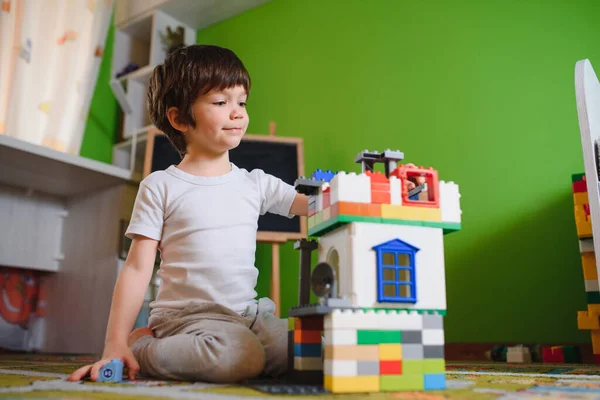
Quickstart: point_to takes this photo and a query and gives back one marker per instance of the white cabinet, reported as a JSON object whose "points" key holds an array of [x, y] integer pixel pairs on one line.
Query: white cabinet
{"points": [[61, 214]]}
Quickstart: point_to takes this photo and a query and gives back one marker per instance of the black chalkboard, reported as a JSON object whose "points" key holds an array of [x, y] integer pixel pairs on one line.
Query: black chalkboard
{"points": [[274, 157]]}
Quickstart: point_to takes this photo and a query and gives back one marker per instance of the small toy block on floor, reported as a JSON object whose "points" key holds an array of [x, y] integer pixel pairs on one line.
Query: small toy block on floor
{"points": [[111, 371], [572, 354], [518, 354], [552, 355], [562, 354]]}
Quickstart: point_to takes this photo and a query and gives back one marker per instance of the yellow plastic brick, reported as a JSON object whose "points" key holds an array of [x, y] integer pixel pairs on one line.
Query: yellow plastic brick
{"points": [[585, 322], [588, 262], [393, 211], [596, 341], [581, 198], [390, 352], [352, 384]]}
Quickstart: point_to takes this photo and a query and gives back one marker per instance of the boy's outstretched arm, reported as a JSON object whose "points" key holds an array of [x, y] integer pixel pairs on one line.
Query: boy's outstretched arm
{"points": [[128, 296], [300, 205]]}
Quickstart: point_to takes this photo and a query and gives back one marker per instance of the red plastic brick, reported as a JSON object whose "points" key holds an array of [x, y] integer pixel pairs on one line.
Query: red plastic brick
{"points": [[390, 367], [380, 188], [305, 336], [579, 187], [326, 198], [309, 323], [431, 175]]}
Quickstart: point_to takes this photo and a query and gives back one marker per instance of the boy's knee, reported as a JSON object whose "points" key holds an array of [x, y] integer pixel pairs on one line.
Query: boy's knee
{"points": [[240, 362]]}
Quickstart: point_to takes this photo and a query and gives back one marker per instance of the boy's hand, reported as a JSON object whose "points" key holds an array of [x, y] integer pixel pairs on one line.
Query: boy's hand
{"points": [[120, 351]]}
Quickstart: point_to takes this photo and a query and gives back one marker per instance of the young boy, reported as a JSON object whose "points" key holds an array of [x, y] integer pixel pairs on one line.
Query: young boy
{"points": [[202, 214]]}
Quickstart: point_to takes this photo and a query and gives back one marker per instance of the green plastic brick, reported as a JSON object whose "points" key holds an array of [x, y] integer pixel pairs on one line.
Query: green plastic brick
{"points": [[572, 354], [291, 323], [577, 177], [434, 366], [321, 228], [378, 337], [593, 297], [412, 367], [394, 221], [391, 383], [397, 310]]}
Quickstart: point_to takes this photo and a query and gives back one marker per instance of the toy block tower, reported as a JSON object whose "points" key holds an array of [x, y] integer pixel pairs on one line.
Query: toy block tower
{"points": [[380, 280], [587, 320]]}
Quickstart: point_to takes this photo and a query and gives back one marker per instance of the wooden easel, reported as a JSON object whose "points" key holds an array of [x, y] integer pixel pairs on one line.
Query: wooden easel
{"points": [[276, 241]]}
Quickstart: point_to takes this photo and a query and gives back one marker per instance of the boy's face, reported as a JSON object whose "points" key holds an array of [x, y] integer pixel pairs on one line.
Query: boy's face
{"points": [[221, 120]]}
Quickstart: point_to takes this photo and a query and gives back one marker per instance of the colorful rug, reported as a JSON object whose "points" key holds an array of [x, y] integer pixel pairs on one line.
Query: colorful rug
{"points": [[44, 376]]}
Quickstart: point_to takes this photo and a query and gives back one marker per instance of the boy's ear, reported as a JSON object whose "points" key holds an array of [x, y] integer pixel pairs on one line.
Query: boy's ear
{"points": [[174, 120]]}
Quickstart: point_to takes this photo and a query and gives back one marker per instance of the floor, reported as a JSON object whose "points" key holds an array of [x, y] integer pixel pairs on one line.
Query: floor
{"points": [[43, 376]]}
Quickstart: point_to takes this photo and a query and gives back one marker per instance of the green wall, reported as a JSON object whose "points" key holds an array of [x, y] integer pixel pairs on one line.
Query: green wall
{"points": [[101, 129], [481, 91]]}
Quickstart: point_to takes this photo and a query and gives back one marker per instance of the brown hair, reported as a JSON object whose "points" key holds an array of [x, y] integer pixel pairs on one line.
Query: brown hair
{"points": [[186, 74]]}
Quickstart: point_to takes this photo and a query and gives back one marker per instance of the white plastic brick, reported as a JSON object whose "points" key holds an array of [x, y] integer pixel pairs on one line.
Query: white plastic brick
{"points": [[586, 245], [429, 262], [433, 337], [591, 285], [340, 368], [340, 337], [326, 213], [450, 202], [381, 319], [351, 188], [395, 191], [320, 199]]}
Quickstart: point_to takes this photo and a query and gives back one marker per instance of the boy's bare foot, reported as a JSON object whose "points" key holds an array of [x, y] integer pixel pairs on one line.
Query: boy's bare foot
{"points": [[138, 333]]}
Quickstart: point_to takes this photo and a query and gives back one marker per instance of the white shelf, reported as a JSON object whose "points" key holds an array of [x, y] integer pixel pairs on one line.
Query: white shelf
{"points": [[46, 267], [139, 75], [197, 14], [141, 135], [29, 166]]}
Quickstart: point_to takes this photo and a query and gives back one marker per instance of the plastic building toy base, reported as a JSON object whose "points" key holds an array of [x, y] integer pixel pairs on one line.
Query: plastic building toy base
{"points": [[289, 388]]}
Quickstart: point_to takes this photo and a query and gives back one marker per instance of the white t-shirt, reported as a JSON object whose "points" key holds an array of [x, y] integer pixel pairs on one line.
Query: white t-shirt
{"points": [[207, 231]]}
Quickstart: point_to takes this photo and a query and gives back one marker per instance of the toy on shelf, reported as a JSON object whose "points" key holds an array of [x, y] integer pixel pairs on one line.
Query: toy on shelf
{"points": [[129, 68], [173, 39], [111, 371], [380, 280]]}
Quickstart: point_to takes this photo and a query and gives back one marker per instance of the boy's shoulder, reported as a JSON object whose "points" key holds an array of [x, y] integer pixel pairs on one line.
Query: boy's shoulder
{"points": [[258, 177], [155, 180], [255, 174]]}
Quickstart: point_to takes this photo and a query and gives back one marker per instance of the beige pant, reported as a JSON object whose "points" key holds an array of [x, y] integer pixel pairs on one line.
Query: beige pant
{"points": [[209, 342]]}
